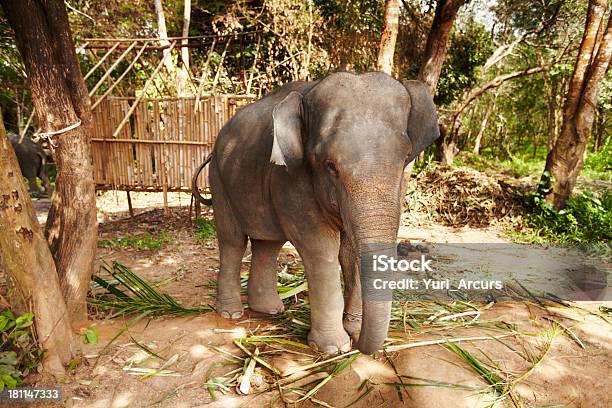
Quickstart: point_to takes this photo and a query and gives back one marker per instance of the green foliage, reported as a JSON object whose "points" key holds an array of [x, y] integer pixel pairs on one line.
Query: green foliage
{"points": [[520, 165], [599, 165], [204, 230], [470, 46], [143, 242], [20, 353], [587, 217]]}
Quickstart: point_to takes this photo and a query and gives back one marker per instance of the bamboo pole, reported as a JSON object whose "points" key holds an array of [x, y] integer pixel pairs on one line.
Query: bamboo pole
{"points": [[110, 70], [128, 69], [123, 39], [146, 85], [204, 75], [252, 73], [101, 61], [221, 61]]}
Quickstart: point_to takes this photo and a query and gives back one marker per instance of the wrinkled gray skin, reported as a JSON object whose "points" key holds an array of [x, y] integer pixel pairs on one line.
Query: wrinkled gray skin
{"points": [[320, 165], [32, 160]]}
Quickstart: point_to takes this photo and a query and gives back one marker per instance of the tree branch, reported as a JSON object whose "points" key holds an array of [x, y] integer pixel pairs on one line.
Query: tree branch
{"points": [[493, 83]]}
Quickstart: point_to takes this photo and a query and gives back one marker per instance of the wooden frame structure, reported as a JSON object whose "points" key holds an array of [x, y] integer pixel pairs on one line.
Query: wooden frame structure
{"points": [[154, 138]]}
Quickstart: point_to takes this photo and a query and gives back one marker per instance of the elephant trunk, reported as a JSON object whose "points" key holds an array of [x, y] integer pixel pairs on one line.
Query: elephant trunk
{"points": [[376, 302], [374, 228]]}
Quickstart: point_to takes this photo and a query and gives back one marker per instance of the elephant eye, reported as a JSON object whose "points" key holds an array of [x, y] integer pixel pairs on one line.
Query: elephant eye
{"points": [[331, 167]]}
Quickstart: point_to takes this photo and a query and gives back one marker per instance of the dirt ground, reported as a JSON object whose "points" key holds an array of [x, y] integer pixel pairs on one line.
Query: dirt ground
{"points": [[575, 371]]}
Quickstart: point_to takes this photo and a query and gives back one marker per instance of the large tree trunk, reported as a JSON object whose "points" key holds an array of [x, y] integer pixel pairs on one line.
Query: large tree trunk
{"points": [[565, 160], [429, 73], [25, 257], [389, 37], [60, 98], [437, 41]]}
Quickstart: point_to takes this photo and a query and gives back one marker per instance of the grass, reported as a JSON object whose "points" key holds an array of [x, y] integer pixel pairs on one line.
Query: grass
{"points": [[126, 293], [204, 230], [144, 242], [597, 166], [522, 165], [252, 370]]}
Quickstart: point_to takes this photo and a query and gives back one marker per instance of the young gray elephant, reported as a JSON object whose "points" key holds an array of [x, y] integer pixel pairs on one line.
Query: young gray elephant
{"points": [[32, 160], [320, 165]]}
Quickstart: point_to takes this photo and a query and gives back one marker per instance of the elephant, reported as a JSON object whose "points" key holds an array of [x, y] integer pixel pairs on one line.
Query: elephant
{"points": [[32, 161], [319, 164]]}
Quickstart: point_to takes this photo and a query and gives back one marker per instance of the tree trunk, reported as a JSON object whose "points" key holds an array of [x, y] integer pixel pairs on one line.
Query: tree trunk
{"points": [[25, 257], [389, 37], [483, 125], [429, 73], [565, 160], [437, 41], [60, 98], [551, 86], [162, 33], [599, 130], [183, 85]]}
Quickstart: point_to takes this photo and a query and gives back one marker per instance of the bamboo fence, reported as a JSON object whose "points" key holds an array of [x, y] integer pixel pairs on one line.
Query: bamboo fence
{"points": [[161, 145]]}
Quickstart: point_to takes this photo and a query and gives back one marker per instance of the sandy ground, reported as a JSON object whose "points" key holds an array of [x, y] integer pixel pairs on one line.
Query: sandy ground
{"points": [[571, 374]]}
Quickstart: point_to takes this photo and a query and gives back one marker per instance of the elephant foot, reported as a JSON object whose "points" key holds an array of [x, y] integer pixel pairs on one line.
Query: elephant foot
{"points": [[352, 325], [229, 308], [329, 342], [268, 304]]}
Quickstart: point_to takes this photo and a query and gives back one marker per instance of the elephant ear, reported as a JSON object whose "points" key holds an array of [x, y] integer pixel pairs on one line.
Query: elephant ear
{"points": [[287, 148], [423, 127]]}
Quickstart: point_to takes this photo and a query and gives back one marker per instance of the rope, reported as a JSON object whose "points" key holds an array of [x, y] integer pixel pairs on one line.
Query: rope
{"points": [[47, 135]]}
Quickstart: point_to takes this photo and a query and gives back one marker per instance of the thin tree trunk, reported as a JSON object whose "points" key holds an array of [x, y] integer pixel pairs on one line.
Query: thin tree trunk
{"points": [[25, 257], [162, 33], [483, 126], [185, 73], [551, 86], [437, 41], [60, 98], [599, 130], [389, 37], [565, 160]]}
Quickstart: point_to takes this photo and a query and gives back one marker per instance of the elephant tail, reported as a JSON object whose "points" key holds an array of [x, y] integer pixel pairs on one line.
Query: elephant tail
{"points": [[194, 183]]}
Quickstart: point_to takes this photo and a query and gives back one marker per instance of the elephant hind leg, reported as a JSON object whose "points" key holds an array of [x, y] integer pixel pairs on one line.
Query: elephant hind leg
{"points": [[232, 244], [228, 303], [42, 175], [32, 184], [263, 295]]}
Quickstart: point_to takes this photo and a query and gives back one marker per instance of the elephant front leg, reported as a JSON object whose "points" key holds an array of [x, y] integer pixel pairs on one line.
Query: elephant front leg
{"points": [[325, 295], [349, 262]]}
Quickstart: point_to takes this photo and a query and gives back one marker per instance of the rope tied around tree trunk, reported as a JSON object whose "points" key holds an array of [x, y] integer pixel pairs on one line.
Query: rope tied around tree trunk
{"points": [[47, 135]]}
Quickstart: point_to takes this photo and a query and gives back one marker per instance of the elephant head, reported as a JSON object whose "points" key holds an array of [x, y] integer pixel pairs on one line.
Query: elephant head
{"points": [[355, 134]]}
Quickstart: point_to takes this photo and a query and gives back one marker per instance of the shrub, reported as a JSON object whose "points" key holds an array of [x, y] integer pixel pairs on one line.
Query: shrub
{"points": [[20, 353], [204, 230], [587, 218]]}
